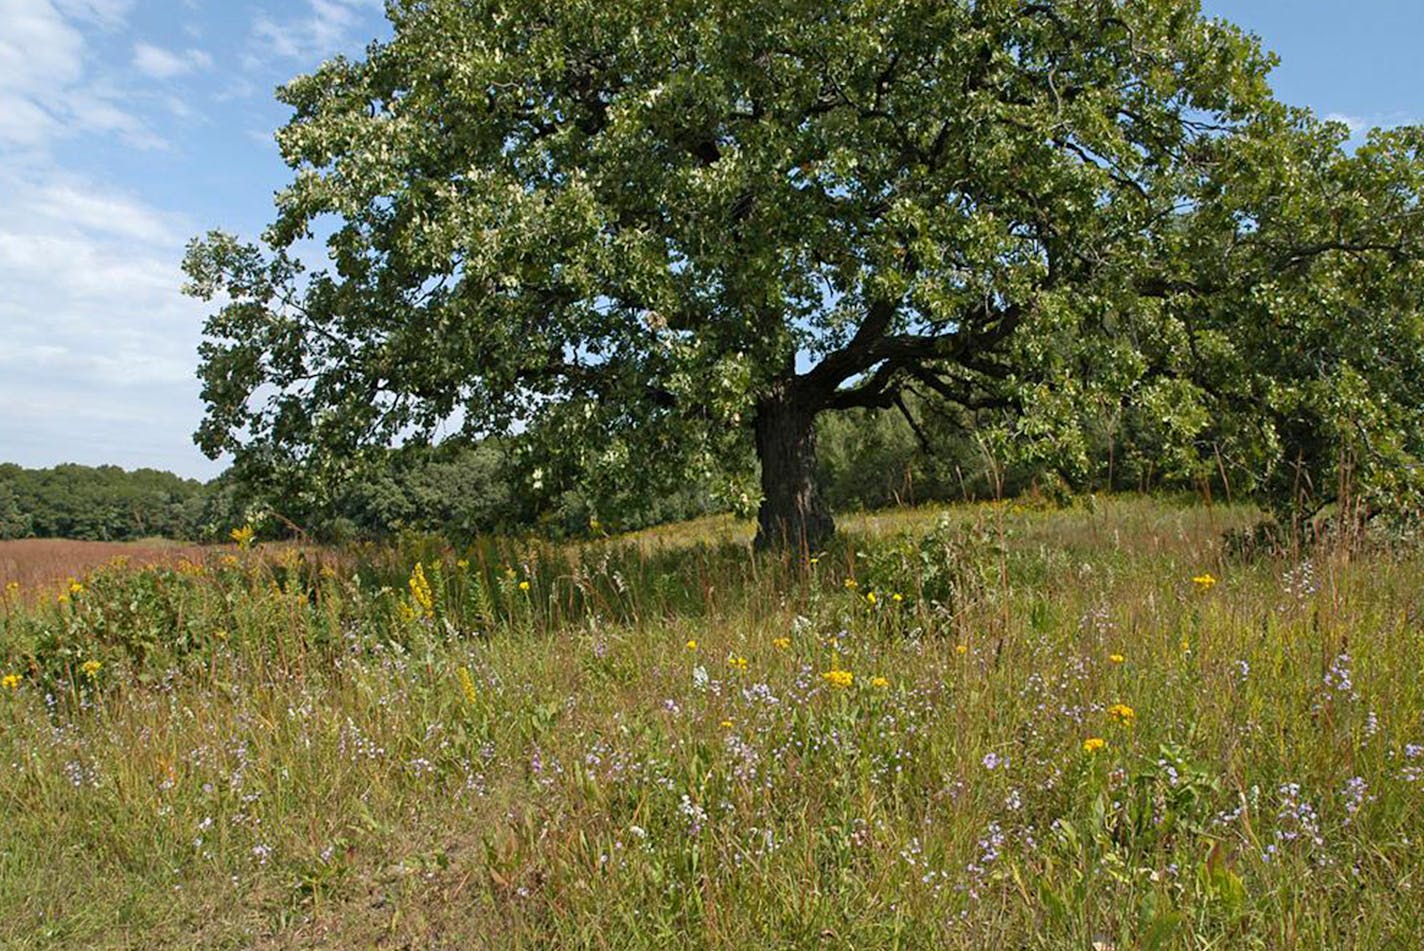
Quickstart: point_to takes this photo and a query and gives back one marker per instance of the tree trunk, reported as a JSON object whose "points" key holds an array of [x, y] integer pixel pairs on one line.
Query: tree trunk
{"points": [[792, 513]]}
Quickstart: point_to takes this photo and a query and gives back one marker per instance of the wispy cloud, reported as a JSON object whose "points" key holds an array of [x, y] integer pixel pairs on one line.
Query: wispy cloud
{"points": [[96, 330], [1361, 124], [159, 63], [108, 14], [46, 92], [327, 27]]}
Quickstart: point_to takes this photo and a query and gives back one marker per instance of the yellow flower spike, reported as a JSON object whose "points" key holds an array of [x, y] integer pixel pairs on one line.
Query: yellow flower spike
{"points": [[1204, 582], [691, 645], [781, 643], [10, 681], [838, 678], [1116, 658], [421, 592], [243, 536], [1094, 744], [467, 684], [879, 683]]}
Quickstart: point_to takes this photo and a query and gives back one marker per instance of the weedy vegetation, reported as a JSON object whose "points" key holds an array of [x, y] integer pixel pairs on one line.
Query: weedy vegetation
{"points": [[966, 727]]}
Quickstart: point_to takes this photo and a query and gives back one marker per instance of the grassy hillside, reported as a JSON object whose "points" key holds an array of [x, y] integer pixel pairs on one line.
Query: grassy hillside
{"points": [[978, 726]]}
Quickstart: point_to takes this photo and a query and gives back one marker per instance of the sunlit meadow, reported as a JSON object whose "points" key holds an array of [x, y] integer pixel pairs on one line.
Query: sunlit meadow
{"points": [[1104, 726]]}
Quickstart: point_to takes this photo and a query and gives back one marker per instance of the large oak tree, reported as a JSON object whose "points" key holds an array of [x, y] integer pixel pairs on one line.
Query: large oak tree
{"points": [[650, 233]]}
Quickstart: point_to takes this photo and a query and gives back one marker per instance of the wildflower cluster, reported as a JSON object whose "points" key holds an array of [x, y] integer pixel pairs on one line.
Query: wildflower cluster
{"points": [[1123, 714]]}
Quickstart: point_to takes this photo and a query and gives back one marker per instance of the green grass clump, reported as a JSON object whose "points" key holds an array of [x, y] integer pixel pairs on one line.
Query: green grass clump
{"points": [[980, 725]]}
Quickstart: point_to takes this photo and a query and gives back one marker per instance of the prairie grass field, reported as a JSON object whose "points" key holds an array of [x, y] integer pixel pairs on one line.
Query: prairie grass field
{"points": [[979, 726], [30, 564]]}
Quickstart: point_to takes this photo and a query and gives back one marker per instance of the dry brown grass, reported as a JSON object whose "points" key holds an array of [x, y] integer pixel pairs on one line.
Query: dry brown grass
{"points": [[40, 563]]}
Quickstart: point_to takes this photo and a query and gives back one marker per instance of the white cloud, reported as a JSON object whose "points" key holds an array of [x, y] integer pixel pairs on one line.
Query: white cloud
{"points": [[109, 14], [327, 28], [1354, 123], [45, 90], [160, 63], [97, 343], [1359, 125]]}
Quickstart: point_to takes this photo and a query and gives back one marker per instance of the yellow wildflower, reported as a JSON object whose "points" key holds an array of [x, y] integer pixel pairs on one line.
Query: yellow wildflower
{"points": [[852, 583], [420, 591], [961, 649], [691, 645], [91, 668], [1122, 713], [815, 560], [897, 597], [1093, 744], [726, 724], [462, 564], [1204, 582], [781, 643], [737, 662], [75, 587], [1116, 658], [838, 678], [870, 598], [243, 536], [10, 681], [467, 684], [879, 683]]}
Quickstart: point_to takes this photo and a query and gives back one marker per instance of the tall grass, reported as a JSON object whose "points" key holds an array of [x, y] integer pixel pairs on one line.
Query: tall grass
{"points": [[636, 743]]}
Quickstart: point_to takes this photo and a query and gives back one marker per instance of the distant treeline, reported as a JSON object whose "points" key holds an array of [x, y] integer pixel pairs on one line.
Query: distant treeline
{"points": [[867, 460], [99, 504]]}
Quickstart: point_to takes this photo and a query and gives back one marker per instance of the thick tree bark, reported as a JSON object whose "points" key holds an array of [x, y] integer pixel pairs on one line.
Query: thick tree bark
{"points": [[792, 513]]}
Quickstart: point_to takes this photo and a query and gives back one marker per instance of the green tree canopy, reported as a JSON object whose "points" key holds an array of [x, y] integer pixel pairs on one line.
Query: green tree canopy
{"points": [[662, 237]]}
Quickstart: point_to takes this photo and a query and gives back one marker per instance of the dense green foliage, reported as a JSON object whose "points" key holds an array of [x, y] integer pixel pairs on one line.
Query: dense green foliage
{"points": [[987, 727], [100, 504], [660, 239]]}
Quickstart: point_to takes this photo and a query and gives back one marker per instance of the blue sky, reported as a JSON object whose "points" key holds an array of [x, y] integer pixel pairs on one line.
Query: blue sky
{"points": [[128, 126]]}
